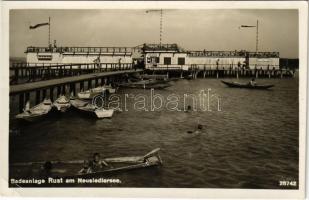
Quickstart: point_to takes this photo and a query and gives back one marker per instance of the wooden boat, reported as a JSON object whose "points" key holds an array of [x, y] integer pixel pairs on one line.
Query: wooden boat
{"points": [[91, 109], [89, 94], [72, 168], [146, 84], [246, 85], [62, 103], [36, 112]]}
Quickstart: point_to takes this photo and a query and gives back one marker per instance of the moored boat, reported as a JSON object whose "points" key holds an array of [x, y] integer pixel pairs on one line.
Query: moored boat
{"points": [[91, 109], [62, 103], [246, 85], [110, 89], [72, 168], [89, 94], [36, 112], [147, 84]]}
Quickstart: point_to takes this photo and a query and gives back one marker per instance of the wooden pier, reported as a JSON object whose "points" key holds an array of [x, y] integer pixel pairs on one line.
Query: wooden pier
{"points": [[226, 71], [31, 72], [55, 87]]}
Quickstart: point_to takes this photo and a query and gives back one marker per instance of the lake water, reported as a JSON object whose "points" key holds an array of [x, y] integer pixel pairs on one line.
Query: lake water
{"points": [[251, 143]]}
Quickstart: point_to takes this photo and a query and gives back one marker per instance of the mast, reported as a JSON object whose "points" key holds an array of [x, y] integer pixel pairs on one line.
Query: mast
{"points": [[49, 32], [257, 36]]}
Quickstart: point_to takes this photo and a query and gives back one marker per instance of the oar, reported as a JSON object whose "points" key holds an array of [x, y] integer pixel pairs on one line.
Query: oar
{"points": [[53, 162], [119, 159], [151, 153]]}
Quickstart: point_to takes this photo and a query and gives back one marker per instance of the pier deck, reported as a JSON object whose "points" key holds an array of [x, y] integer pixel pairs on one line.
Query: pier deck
{"points": [[27, 87]]}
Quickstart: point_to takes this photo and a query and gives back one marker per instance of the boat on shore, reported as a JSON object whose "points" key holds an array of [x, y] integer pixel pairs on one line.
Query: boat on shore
{"points": [[62, 103], [146, 84], [36, 112], [110, 89], [89, 94], [88, 108], [246, 85], [72, 168]]}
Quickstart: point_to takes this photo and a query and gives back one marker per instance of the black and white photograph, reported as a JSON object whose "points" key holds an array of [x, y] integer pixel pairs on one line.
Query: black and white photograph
{"points": [[156, 97]]}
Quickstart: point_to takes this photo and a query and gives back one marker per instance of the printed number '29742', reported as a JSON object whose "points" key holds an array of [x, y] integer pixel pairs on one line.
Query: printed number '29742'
{"points": [[288, 183]]}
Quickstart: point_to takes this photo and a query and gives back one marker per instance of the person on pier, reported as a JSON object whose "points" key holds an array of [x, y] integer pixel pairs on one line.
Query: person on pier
{"points": [[252, 82], [97, 164]]}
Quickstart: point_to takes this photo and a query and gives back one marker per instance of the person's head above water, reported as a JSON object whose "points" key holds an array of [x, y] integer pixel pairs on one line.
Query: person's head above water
{"points": [[48, 165], [200, 126], [86, 163], [96, 156]]}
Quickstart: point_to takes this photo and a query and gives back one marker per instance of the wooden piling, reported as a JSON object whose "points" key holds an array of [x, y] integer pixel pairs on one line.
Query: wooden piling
{"points": [[37, 97], [63, 89], [72, 89], [81, 86], [58, 91], [43, 94], [51, 93], [21, 102]]}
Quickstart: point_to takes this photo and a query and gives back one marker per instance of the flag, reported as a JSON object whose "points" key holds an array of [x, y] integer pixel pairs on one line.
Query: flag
{"points": [[38, 25], [246, 26]]}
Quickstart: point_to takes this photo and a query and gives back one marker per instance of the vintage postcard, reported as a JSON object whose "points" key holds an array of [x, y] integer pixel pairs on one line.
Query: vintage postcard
{"points": [[154, 99]]}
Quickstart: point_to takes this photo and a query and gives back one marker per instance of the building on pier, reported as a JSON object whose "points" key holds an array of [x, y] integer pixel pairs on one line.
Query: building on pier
{"points": [[155, 57], [168, 56], [74, 55]]}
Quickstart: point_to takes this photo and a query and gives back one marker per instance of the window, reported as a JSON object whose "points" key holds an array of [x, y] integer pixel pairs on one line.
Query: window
{"points": [[157, 59], [181, 61], [167, 60]]}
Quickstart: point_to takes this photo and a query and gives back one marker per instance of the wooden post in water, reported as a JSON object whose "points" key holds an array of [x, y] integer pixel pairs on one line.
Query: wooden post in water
{"points": [[22, 72], [58, 91], [89, 84], [81, 86], [72, 89], [37, 97], [63, 89], [27, 97], [43, 94]]}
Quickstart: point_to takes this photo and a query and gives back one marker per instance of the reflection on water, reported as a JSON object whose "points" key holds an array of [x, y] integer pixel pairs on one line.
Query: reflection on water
{"points": [[251, 143]]}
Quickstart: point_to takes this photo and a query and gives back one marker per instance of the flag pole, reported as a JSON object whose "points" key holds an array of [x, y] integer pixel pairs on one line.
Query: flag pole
{"points": [[49, 31], [257, 36]]}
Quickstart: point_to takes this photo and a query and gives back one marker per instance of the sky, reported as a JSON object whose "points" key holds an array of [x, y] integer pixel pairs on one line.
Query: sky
{"points": [[211, 29]]}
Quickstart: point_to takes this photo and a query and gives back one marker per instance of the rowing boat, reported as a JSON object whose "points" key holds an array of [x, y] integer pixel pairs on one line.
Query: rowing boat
{"points": [[110, 89], [146, 84], [91, 109], [246, 85], [36, 112], [62, 103], [71, 169], [89, 94]]}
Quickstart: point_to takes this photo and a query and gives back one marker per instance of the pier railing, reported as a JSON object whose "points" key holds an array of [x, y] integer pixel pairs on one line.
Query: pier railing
{"points": [[229, 54], [79, 49], [209, 67]]}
